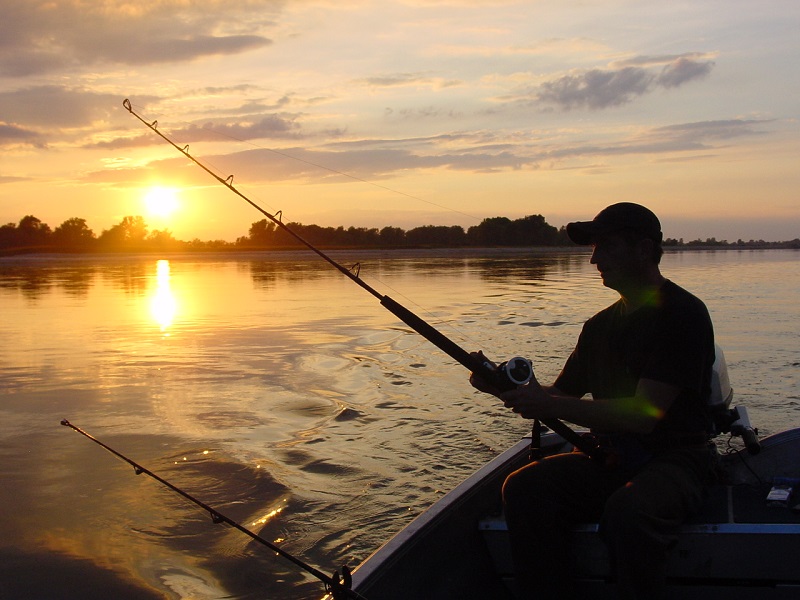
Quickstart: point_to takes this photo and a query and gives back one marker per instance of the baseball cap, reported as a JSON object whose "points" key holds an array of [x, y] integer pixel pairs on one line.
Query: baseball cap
{"points": [[626, 216]]}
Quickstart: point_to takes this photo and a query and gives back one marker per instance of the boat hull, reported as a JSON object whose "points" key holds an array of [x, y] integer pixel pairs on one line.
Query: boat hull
{"points": [[738, 547]]}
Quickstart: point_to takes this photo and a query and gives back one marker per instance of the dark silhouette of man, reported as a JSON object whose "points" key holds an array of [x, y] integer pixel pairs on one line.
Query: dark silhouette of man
{"points": [[639, 379]]}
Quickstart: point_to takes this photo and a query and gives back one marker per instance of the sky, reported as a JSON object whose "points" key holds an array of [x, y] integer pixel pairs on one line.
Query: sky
{"points": [[402, 113]]}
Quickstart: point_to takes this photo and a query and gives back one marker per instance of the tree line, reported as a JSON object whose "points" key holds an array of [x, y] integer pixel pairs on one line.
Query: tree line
{"points": [[132, 234], [74, 235]]}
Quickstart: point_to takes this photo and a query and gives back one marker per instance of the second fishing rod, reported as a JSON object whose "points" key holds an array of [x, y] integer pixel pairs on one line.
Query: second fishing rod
{"points": [[503, 377]]}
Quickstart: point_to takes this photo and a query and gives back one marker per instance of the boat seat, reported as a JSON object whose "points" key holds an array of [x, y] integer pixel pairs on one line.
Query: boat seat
{"points": [[736, 536]]}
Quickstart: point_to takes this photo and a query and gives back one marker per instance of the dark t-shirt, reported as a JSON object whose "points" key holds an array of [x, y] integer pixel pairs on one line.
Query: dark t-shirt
{"points": [[670, 340]]}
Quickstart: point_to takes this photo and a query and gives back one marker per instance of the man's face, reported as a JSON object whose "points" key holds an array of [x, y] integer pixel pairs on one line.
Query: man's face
{"points": [[620, 263]]}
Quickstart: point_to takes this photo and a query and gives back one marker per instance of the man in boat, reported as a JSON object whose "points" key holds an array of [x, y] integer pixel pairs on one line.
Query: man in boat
{"points": [[639, 378]]}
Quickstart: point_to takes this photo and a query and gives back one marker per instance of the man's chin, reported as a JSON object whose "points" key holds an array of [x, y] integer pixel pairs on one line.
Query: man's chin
{"points": [[608, 279]]}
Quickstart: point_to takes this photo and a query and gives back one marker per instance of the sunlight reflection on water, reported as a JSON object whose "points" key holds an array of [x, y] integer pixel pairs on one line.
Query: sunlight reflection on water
{"points": [[296, 400], [164, 306]]}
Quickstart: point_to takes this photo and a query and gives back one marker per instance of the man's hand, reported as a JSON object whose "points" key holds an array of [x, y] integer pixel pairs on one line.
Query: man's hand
{"points": [[530, 401], [478, 382], [637, 414]]}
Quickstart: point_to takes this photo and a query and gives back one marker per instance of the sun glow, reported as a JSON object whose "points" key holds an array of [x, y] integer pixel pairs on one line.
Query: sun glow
{"points": [[161, 202]]}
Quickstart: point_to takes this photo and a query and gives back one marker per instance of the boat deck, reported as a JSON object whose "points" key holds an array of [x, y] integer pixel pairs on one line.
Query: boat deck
{"points": [[738, 540], [733, 538], [739, 547]]}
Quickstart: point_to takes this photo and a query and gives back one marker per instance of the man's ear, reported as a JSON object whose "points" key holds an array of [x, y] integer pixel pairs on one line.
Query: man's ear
{"points": [[645, 248]]}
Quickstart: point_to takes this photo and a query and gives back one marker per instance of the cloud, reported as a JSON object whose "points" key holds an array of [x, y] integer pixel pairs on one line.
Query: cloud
{"points": [[55, 106], [422, 112], [670, 141], [708, 131], [7, 179], [140, 49], [622, 83], [40, 36], [662, 59], [683, 70], [12, 135], [51, 109], [269, 126], [263, 165], [262, 127], [408, 80], [595, 89], [476, 152]]}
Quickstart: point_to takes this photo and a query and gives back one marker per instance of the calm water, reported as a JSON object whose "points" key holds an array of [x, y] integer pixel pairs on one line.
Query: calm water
{"points": [[280, 393]]}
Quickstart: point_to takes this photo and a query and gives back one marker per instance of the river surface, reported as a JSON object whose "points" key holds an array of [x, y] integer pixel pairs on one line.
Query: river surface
{"points": [[280, 393]]}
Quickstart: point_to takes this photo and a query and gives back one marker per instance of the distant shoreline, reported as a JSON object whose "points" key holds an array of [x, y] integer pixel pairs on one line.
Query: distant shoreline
{"points": [[395, 251], [132, 235]]}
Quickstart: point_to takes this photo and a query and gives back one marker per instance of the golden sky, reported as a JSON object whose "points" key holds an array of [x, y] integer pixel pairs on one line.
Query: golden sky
{"points": [[403, 113]]}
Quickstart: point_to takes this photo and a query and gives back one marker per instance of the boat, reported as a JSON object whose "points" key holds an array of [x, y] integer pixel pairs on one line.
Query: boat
{"points": [[745, 542]]}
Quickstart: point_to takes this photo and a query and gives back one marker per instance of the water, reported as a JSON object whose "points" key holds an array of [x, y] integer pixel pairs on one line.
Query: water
{"points": [[281, 394]]}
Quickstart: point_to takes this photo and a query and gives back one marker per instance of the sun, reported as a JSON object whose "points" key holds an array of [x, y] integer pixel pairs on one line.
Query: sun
{"points": [[161, 202]]}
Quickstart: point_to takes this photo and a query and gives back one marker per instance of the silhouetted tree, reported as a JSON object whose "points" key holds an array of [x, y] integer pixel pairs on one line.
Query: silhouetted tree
{"points": [[32, 232], [392, 236], [8, 235], [436, 235], [128, 234], [532, 230], [162, 240], [262, 233], [363, 237], [491, 232], [131, 234], [73, 234], [283, 239]]}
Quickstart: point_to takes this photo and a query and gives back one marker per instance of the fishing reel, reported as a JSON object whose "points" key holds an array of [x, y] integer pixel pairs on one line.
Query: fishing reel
{"points": [[511, 373]]}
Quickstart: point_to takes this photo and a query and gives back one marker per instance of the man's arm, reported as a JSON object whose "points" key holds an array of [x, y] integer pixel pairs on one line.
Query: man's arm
{"points": [[636, 414]]}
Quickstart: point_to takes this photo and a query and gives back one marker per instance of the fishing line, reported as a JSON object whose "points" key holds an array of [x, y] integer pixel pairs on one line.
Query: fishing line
{"points": [[129, 106], [338, 587], [503, 377], [345, 174]]}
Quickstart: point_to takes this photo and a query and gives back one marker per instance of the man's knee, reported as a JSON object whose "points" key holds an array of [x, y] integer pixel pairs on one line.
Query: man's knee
{"points": [[637, 519], [621, 506], [551, 486], [523, 488]]}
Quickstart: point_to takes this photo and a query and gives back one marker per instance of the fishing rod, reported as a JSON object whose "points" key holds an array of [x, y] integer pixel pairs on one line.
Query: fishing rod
{"points": [[503, 377], [338, 587]]}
